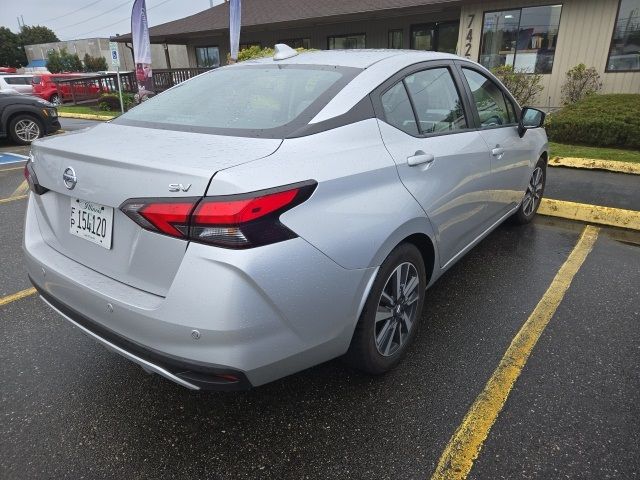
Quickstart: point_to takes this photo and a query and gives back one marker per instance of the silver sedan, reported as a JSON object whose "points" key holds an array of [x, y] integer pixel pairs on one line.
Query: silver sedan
{"points": [[267, 216]]}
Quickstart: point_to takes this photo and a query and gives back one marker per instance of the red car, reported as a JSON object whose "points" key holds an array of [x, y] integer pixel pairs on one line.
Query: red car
{"points": [[44, 86]]}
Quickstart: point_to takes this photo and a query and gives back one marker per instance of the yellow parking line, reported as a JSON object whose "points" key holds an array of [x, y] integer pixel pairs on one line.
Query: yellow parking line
{"points": [[17, 296], [12, 199], [465, 444], [10, 169], [596, 164], [22, 190], [616, 217]]}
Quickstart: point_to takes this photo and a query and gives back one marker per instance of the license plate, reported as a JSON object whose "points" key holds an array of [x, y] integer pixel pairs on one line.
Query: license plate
{"points": [[91, 221]]}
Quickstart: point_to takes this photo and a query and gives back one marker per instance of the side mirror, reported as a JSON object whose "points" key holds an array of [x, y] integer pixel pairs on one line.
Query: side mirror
{"points": [[530, 118]]}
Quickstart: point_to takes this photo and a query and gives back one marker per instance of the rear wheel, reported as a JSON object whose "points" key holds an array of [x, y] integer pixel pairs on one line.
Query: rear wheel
{"points": [[24, 129], [533, 195], [391, 314]]}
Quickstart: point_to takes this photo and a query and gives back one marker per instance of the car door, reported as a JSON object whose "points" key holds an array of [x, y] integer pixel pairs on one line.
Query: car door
{"points": [[511, 155], [441, 158]]}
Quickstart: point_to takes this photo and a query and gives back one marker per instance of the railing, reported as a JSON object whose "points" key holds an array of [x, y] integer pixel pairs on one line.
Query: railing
{"points": [[88, 88]]}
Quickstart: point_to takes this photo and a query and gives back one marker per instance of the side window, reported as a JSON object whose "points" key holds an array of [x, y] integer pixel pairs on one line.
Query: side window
{"points": [[513, 116], [397, 109], [435, 97], [488, 98]]}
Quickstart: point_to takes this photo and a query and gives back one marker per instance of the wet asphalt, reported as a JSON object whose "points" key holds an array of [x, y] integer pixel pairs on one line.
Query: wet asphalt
{"points": [[71, 409]]}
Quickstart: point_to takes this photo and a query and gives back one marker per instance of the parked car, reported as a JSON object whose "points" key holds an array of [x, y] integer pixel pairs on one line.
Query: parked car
{"points": [[16, 84], [45, 87], [25, 118], [226, 244]]}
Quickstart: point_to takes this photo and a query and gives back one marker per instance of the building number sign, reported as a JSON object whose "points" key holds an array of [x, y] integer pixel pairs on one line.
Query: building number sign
{"points": [[469, 37]]}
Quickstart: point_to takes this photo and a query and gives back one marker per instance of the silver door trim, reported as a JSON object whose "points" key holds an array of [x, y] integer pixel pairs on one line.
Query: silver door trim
{"points": [[475, 241]]}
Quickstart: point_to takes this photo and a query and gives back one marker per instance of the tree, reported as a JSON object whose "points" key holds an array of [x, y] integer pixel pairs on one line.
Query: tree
{"points": [[32, 35], [63, 61], [522, 85], [11, 52], [580, 83], [94, 64]]}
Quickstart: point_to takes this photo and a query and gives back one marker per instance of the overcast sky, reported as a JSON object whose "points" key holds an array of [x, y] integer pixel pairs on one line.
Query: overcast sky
{"points": [[75, 19]]}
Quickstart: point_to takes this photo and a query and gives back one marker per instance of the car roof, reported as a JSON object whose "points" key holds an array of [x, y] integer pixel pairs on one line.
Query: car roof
{"points": [[357, 58]]}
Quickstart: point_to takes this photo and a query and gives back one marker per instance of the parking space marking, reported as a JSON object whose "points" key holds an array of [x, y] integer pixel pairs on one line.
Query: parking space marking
{"points": [[465, 444], [17, 296], [12, 199], [616, 217], [10, 169], [21, 191]]}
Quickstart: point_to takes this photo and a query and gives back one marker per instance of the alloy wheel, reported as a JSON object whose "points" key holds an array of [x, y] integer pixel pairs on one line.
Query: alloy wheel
{"points": [[533, 194], [27, 130], [397, 309]]}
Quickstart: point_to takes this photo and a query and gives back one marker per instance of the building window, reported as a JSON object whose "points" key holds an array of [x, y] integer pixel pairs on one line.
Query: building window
{"points": [[207, 57], [624, 53], [357, 40], [297, 42], [395, 38], [524, 38], [437, 36]]}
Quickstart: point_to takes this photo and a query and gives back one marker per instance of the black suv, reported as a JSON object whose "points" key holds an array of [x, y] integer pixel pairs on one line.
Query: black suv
{"points": [[25, 118]]}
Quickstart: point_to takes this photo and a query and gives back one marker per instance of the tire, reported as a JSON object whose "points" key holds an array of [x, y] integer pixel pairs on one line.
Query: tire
{"points": [[24, 129], [55, 99], [534, 193], [376, 350]]}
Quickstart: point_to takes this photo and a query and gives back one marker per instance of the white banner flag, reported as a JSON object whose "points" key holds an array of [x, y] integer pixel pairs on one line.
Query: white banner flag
{"points": [[141, 47], [235, 7]]}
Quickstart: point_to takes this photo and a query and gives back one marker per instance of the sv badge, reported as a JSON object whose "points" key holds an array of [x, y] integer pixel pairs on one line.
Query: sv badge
{"points": [[179, 187]]}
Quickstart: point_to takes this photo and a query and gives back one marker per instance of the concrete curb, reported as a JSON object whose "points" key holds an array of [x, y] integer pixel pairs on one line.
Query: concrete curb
{"points": [[596, 164], [86, 116], [615, 217]]}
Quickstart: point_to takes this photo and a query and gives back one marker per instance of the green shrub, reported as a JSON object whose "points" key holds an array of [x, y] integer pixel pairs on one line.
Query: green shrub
{"points": [[259, 52], [580, 82], [94, 64], [598, 120], [63, 61], [523, 85], [110, 102]]}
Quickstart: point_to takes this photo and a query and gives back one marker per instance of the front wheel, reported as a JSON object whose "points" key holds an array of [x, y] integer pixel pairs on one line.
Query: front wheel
{"points": [[533, 194], [391, 314], [24, 129], [55, 99]]}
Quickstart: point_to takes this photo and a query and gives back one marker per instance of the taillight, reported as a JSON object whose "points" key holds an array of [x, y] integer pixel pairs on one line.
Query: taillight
{"points": [[32, 179], [231, 221]]}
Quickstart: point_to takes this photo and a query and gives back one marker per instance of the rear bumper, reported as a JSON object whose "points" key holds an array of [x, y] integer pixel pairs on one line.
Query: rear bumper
{"points": [[257, 314], [192, 375]]}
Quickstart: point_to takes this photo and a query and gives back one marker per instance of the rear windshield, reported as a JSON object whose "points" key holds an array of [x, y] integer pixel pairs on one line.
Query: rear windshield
{"points": [[252, 100]]}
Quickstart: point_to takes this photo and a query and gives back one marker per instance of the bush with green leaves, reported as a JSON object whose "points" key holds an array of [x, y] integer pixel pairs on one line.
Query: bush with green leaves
{"points": [[110, 102], [94, 64], [598, 120], [255, 51], [580, 82], [63, 61], [524, 86]]}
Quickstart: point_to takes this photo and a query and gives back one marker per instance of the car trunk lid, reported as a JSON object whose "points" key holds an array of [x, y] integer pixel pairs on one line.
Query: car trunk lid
{"points": [[114, 163]]}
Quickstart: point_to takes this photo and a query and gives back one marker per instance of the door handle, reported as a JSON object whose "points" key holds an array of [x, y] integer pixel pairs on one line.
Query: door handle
{"points": [[420, 158], [497, 152]]}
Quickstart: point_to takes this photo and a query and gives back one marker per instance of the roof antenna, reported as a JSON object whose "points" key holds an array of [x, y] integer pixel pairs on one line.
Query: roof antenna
{"points": [[283, 52]]}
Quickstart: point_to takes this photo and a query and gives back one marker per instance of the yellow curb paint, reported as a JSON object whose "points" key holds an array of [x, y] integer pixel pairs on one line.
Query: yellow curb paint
{"points": [[17, 296], [11, 169], [86, 116], [11, 199], [616, 217], [21, 191], [465, 444], [596, 164]]}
